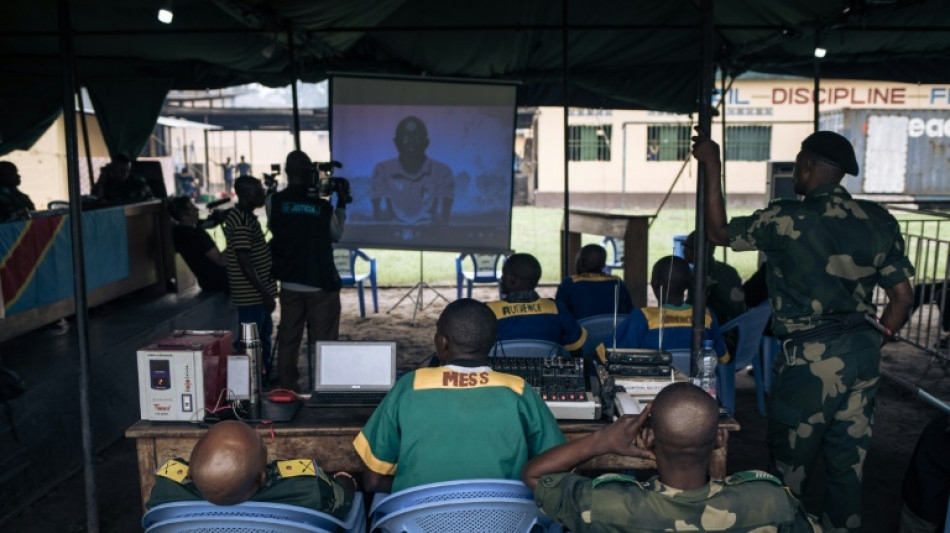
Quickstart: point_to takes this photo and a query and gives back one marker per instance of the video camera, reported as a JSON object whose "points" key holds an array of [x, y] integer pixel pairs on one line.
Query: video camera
{"points": [[215, 216], [328, 184], [270, 180]]}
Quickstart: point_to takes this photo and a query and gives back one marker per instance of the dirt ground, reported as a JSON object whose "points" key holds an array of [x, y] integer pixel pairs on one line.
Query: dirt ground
{"points": [[899, 418]]}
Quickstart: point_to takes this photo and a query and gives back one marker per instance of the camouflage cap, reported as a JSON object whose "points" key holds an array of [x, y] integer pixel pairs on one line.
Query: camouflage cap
{"points": [[833, 149]]}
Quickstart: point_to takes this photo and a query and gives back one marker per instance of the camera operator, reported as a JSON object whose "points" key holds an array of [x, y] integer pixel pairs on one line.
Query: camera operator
{"points": [[196, 247], [304, 226]]}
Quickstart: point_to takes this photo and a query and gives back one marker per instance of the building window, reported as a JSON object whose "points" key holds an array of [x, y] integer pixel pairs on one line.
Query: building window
{"points": [[748, 143], [588, 143], [667, 142]]}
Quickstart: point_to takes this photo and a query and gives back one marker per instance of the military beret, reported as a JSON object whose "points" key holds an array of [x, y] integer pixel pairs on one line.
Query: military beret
{"points": [[833, 149]]}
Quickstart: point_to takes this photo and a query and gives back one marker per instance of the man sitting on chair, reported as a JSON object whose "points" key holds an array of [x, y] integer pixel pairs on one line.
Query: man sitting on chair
{"points": [[525, 315], [229, 465], [671, 322], [590, 291], [457, 421], [680, 430]]}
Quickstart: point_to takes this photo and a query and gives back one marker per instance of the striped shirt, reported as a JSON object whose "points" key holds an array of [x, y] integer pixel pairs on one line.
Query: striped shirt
{"points": [[242, 230]]}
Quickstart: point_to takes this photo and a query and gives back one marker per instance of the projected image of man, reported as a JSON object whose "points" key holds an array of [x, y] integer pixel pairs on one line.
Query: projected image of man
{"points": [[412, 188]]}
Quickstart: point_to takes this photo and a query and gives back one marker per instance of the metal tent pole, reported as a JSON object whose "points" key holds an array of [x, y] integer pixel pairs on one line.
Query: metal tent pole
{"points": [[817, 77], [706, 80], [293, 86], [565, 236], [79, 271], [82, 122]]}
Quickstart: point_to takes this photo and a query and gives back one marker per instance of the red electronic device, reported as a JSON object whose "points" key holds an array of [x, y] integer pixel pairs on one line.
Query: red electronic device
{"points": [[167, 393]]}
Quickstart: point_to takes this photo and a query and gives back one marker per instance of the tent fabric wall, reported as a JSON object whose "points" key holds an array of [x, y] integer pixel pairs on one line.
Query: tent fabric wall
{"points": [[25, 114], [127, 110]]}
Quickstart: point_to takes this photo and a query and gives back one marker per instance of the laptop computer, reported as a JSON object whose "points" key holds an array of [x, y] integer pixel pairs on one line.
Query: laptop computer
{"points": [[352, 373]]}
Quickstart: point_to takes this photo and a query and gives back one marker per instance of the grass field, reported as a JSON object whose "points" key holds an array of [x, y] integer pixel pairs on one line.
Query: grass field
{"points": [[536, 230]]}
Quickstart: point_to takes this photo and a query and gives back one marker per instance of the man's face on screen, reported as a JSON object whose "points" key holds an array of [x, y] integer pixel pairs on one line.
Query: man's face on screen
{"points": [[411, 138]]}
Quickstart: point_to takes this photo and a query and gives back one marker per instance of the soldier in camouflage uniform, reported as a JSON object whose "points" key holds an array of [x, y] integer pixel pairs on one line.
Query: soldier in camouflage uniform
{"points": [[724, 294], [826, 253], [228, 467], [682, 432]]}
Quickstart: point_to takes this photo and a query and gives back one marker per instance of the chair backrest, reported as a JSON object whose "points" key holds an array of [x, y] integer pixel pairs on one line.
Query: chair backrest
{"points": [[483, 514], [600, 328], [751, 325], [343, 259], [615, 251], [528, 348], [497, 505], [682, 360], [249, 517], [444, 491], [232, 525], [486, 267]]}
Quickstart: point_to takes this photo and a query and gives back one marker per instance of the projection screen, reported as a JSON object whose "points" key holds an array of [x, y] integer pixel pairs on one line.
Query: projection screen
{"points": [[429, 162]]}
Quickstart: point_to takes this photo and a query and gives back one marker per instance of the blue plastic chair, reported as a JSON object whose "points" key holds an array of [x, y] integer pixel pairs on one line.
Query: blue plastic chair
{"points": [[600, 329], [249, 517], [486, 268], [531, 348], [345, 261], [496, 505], [682, 360], [678, 242], [770, 349], [615, 253], [750, 324]]}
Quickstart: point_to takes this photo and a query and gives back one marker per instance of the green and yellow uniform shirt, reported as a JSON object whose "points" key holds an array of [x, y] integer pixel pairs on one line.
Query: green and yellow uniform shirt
{"points": [[825, 255], [538, 319], [242, 230], [456, 422], [747, 501], [297, 482], [591, 294]]}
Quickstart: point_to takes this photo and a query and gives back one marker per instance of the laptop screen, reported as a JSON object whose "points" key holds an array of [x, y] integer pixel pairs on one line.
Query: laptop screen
{"points": [[356, 366]]}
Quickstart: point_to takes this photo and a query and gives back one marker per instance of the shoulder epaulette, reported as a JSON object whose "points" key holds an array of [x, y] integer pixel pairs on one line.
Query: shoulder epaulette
{"points": [[752, 475], [296, 468], [174, 470], [618, 478]]}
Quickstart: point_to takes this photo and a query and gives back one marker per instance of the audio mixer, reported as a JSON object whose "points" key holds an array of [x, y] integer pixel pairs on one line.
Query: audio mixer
{"points": [[558, 380]]}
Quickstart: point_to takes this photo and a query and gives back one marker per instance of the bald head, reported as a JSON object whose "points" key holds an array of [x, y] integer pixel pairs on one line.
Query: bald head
{"points": [[591, 258], [469, 326], [520, 273], [685, 421], [227, 463]]}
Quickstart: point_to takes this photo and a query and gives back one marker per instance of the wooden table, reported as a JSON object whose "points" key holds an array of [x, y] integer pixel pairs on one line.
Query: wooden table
{"points": [[327, 436]]}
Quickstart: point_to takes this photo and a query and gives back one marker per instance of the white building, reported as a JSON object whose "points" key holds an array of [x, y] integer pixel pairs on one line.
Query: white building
{"points": [[630, 159]]}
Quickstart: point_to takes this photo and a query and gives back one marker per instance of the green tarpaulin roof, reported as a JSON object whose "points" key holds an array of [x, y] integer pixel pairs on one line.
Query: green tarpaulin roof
{"points": [[621, 53]]}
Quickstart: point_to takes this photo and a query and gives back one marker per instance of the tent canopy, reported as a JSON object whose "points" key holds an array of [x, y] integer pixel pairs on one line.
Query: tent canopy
{"points": [[624, 54]]}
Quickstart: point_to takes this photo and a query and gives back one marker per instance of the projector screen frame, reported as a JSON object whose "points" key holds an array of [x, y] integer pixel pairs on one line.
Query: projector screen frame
{"points": [[461, 248]]}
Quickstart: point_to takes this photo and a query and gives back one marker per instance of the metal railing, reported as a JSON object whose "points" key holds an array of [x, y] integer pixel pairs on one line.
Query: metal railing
{"points": [[928, 248]]}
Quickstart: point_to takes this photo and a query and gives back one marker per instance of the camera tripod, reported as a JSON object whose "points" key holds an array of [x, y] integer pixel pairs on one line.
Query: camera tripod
{"points": [[416, 295]]}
